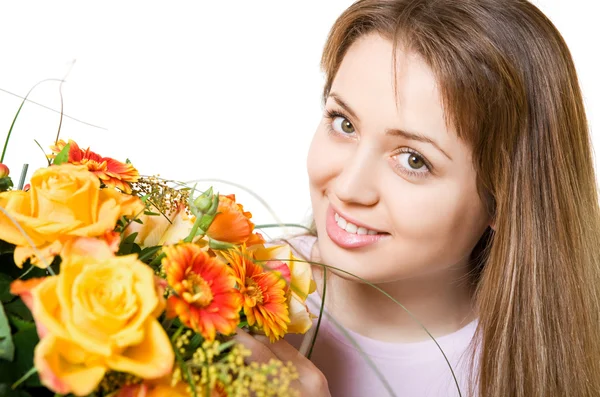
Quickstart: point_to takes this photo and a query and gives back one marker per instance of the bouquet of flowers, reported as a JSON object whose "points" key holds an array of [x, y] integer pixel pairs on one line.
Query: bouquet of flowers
{"points": [[114, 284]]}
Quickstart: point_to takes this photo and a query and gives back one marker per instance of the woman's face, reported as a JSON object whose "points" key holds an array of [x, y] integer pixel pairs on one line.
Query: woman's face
{"points": [[393, 189]]}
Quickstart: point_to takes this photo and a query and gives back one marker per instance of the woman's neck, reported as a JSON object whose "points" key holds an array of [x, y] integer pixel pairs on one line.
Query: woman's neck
{"points": [[442, 302]]}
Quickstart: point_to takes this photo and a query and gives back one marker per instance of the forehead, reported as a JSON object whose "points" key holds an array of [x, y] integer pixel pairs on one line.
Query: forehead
{"points": [[402, 94]]}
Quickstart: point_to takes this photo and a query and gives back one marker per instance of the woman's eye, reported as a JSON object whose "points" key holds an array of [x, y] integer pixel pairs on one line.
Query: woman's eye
{"points": [[412, 163], [342, 125]]}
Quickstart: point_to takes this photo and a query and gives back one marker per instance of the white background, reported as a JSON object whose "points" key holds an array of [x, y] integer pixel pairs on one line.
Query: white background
{"points": [[213, 89]]}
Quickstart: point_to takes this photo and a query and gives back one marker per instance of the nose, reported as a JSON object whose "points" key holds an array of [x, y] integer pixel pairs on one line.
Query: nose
{"points": [[357, 181]]}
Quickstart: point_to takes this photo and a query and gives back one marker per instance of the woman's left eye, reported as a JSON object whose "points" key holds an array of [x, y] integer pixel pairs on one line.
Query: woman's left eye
{"points": [[412, 163]]}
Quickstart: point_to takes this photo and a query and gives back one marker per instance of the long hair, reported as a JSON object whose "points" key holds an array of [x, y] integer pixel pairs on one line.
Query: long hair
{"points": [[510, 90]]}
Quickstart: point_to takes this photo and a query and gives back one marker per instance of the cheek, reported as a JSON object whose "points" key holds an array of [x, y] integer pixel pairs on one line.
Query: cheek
{"points": [[323, 160], [445, 218]]}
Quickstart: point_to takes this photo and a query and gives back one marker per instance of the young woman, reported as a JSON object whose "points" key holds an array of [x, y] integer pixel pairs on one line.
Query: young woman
{"points": [[452, 168]]}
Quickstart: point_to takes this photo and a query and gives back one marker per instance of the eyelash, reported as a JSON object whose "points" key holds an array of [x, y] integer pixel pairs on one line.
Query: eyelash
{"points": [[331, 115], [416, 174]]}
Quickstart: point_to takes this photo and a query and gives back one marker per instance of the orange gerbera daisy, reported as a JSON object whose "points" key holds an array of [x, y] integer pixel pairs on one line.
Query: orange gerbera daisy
{"points": [[232, 224], [111, 172], [205, 297], [264, 294]]}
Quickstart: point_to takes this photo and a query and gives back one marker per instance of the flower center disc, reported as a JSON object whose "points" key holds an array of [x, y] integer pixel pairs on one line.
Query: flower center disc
{"points": [[254, 294], [198, 291]]}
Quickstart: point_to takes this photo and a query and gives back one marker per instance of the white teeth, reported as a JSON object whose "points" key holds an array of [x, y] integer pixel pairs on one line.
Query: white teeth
{"points": [[352, 228]]}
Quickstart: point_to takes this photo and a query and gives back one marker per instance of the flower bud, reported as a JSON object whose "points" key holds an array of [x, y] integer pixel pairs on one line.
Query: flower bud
{"points": [[204, 201], [4, 171]]}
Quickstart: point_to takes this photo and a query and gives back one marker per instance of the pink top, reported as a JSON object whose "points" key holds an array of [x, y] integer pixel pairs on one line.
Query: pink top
{"points": [[410, 369]]}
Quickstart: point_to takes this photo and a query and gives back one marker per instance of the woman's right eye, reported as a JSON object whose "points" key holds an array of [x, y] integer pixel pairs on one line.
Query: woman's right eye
{"points": [[342, 125]]}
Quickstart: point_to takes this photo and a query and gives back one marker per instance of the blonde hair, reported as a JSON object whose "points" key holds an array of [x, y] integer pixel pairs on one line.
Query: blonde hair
{"points": [[510, 90]]}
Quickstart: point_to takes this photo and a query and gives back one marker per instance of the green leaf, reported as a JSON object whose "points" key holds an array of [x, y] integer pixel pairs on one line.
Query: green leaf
{"points": [[206, 221], [20, 324], [25, 342], [128, 246], [17, 308], [195, 342], [7, 348], [5, 295], [6, 247], [136, 249], [5, 183], [7, 391], [149, 252], [63, 156], [131, 238]]}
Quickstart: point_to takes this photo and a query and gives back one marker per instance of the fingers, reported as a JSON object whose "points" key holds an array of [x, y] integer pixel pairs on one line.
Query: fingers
{"points": [[284, 351], [312, 382], [260, 352], [263, 350]]}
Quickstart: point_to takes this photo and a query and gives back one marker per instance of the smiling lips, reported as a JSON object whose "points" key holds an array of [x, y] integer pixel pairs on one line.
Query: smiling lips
{"points": [[348, 235]]}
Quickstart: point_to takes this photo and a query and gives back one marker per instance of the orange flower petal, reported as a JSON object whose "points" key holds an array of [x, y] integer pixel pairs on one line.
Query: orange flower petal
{"points": [[231, 224], [205, 297], [264, 293]]}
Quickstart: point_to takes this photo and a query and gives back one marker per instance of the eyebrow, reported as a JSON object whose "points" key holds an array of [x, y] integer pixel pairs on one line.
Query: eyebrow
{"points": [[392, 131]]}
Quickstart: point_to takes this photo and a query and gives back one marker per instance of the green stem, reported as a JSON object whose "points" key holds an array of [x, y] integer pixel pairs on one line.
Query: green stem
{"points": [[194, 230], [177, 333], [17, 115], [270, 225], [43, 151], [52, 110], [186, 370], [23, 378], [62, 102], [314, 338]]}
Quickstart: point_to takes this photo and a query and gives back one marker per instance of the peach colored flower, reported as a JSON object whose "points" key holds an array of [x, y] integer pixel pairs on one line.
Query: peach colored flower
{"points": [[111, 172], [205, 298], [232, 224], [161, 229], [4, 171], [23, 288], [99, 314], [64, 202], [264, 293]]}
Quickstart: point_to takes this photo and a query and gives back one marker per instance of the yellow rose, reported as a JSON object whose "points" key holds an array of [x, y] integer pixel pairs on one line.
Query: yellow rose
{"points": [[300, 282], [160, 229], [99, 314], [65, 201]]}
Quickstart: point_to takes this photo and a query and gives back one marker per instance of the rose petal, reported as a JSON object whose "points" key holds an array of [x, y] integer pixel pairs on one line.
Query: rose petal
{"points": [[152, 358], [54, 360]]}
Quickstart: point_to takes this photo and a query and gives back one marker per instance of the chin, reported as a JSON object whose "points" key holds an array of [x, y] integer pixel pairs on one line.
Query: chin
{"points": [[361, 263]]}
